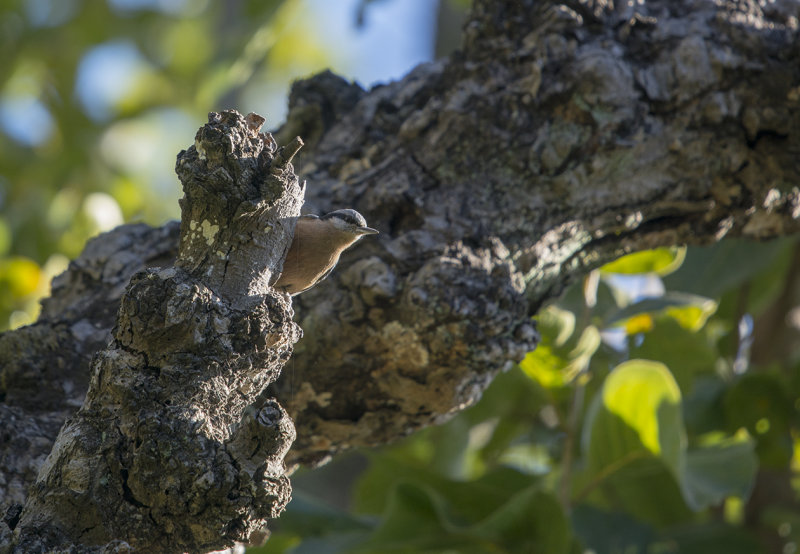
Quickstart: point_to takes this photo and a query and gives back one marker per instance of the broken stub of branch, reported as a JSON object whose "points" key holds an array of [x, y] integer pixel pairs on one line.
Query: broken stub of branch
{"points": [[167, 452], [286, 153], [238, 213]]}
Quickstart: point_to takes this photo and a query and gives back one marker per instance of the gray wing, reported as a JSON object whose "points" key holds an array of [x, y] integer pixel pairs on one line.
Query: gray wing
{"points": [[315, 283], [324, 276], [276, 276]]}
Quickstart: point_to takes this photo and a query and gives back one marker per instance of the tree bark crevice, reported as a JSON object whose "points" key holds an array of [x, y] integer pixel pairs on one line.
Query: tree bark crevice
{"points": [[561, 135]]}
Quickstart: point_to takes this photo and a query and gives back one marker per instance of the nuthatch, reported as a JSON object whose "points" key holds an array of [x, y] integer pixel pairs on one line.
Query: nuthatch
{"points": [[316, 246]]}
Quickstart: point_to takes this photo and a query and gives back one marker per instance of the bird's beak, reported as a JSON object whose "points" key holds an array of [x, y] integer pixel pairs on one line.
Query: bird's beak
{"points": [[367, 231]]}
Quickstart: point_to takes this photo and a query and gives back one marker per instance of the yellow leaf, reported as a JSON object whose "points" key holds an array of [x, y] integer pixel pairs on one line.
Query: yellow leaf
{"points": [[641, 323], [21, 275], [662, 261], [693, 317]]}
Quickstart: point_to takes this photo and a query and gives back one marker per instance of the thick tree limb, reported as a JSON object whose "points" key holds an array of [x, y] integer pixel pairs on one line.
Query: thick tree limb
{"points": [[548, 146], [561, 136]]}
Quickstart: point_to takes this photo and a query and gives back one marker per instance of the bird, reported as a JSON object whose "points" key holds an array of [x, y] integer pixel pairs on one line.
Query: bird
{"points": [[316, 246]]}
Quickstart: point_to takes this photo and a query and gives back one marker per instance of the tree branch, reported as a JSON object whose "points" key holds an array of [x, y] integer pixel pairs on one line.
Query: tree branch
{"points": [[548, 146], [561, 136]]}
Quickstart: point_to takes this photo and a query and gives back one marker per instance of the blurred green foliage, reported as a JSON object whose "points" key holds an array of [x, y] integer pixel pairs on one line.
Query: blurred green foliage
{"points": [[97, 97], [639, 425]]}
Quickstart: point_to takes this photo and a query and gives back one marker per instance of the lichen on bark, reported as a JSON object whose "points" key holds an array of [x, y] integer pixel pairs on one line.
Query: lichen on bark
{"points": [[168, 451]]}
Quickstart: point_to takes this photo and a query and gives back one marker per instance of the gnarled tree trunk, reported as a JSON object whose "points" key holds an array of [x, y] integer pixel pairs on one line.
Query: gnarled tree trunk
{"points": [[561, 135]]}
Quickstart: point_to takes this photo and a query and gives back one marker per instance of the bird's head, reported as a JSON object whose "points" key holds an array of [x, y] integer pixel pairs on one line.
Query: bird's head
{"points": [[349, 222]]}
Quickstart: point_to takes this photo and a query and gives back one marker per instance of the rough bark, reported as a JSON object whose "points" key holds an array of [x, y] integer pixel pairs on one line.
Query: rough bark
{"points": [[559, 138], [168, 453], [561, 135]]}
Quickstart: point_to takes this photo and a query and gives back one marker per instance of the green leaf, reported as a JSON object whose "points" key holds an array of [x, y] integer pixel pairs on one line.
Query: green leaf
{"points": [[710, 271], [531, 521], [544, 366], [557, 323], [762, 403], [687, 353], [660, 260], [419, 519], [634, 441], [710, 538], [637, 410], [415, 516], [716, 471], [557, 360], [307, 515], [509, 409], [309, 526], [704, 307], [5, 237], [511, 395], [702, 406], [610, 532], [376, 487], [636, 445], [639, 485], [692, 317], [278, 543]]}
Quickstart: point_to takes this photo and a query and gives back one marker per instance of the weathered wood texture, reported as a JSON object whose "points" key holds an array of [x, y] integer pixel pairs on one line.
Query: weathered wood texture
{"points": [[167, 452], [561, 135]]}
